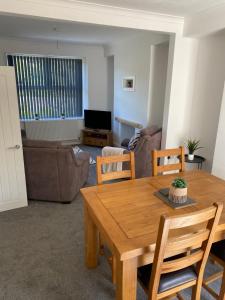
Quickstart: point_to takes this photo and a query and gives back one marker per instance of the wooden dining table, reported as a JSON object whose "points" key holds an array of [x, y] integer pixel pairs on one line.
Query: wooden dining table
{"points": [[127, 215]]}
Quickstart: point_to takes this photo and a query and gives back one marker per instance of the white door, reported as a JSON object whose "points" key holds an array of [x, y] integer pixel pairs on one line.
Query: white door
{"points": [[12, 177]]}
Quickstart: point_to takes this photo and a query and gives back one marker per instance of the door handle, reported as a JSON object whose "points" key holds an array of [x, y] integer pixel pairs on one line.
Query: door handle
{"points": [[16, 147]]}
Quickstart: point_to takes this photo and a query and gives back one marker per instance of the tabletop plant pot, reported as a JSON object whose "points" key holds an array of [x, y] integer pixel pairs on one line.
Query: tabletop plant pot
{"points": [[178, 191]]}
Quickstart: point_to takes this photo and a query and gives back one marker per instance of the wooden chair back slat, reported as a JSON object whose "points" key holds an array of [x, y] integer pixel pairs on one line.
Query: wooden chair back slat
{"points": [[114, 158], [169, 152], [181, 263], [187, 237], [169, 167], [101, 160], [186, 241], [157, 154], [116, 175], [192, 219]]}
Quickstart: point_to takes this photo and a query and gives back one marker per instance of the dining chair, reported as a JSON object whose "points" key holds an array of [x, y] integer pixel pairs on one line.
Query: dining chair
{"points": [[180, 234], [217, 254], [103, 177], [157, 155], [102, 160]]}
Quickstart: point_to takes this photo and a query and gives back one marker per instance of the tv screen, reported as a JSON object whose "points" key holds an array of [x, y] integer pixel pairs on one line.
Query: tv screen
{"points": [[97, 119]]}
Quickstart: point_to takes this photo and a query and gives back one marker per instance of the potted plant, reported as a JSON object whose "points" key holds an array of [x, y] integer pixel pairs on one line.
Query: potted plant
{"points": [[192, 146], [178, 191]]}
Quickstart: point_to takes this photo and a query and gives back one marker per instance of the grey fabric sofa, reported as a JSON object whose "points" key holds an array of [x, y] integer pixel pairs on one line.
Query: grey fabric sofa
{"points": [[150, 140], [53, 172]]}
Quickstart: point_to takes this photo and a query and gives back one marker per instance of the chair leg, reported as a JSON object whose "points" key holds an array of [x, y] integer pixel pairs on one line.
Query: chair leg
{"points": [[179, 297], [113, 269], [112, 263], [196, 292], [210, 291], [222, 289]]}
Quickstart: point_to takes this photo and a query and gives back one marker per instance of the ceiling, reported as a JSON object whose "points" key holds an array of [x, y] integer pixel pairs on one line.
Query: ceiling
{"points": [[43, 29], [27, 28], [172, 7]]}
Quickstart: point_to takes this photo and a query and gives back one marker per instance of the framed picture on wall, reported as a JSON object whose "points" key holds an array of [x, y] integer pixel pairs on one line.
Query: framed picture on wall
{"points": [[128, 83]]}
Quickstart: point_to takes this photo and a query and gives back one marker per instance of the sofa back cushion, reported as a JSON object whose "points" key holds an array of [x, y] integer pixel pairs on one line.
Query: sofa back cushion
{"points": [[41, 143], [149, 130]]}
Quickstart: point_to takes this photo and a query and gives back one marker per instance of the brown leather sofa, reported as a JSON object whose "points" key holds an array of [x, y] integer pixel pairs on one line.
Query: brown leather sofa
{"points": [[53, 172]]}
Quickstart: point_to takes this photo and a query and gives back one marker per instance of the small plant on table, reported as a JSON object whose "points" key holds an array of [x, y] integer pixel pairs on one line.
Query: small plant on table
{"points": [[178, 191]]}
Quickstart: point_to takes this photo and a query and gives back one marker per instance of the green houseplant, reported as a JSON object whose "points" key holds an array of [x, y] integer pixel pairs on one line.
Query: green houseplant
{"points": [[178, 191], [192, 146]]}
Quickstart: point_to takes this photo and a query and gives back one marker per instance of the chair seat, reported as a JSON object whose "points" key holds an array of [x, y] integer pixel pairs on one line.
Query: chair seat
{"points": [[169, 280], [218, 249]]}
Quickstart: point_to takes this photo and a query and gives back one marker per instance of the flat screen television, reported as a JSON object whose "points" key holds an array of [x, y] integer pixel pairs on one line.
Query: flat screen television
{"points": [[97, 119]]}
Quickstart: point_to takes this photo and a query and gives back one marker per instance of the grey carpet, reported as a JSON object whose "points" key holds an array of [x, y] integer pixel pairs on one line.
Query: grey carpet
{"points": [[42, 254]]}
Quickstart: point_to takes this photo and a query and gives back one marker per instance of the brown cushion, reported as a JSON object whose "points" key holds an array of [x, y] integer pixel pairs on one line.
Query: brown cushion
{"points": [[41, 143]]}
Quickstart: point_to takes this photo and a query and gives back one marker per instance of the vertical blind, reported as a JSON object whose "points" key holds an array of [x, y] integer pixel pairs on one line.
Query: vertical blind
{"points": [[48, 87]]}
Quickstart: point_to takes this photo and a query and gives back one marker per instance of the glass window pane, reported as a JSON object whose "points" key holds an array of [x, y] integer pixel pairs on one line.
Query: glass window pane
{"points": [[48, 87]]}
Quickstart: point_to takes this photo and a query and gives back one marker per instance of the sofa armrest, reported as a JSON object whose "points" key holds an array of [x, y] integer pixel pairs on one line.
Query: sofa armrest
{"points": [[80, 158]]}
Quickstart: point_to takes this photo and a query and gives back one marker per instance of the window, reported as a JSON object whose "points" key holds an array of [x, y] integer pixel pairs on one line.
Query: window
{"points": [[48, 87]]}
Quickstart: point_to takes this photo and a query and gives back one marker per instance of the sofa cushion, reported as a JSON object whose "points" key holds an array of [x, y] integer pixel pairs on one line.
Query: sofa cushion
{"points": [[41, 143]]}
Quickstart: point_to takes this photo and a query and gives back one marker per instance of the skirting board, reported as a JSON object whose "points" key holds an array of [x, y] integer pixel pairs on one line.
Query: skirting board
{"points": [[12, 205]]}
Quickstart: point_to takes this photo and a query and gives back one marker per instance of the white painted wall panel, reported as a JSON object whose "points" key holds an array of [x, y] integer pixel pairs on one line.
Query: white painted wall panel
{"points": [[208, 91], [54, 130], [218, 168], [132, 58]]}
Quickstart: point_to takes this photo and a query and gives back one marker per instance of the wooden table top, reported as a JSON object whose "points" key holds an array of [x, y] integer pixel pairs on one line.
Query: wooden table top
{"points": [[128, 212]]}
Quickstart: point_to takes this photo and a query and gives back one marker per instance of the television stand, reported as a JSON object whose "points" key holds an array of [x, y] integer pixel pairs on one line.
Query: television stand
{"points": [[97, 137]]}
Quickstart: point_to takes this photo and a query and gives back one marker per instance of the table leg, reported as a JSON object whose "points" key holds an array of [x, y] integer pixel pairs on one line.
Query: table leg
{"points": [[126, 279], [91, 240]]}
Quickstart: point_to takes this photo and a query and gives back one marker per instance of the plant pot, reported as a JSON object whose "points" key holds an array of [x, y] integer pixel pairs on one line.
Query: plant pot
{"points": [[178, 195], [191, 156]]}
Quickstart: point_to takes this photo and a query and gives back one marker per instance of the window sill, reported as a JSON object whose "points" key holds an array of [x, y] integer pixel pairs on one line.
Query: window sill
{"points": [[52, 119]]}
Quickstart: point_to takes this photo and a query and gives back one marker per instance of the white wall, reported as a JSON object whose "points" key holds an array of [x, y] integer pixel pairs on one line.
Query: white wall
{"points": [[54, 130], [205, 22], [97, 82], [110, 82], [179, 90], [195, 81], [132, 58], [218, 167], [208, 90], [158, 76]]}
